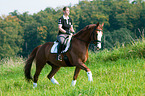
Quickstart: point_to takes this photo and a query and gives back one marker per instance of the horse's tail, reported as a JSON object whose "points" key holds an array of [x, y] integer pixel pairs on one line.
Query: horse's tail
{"points": [[27, 68]]}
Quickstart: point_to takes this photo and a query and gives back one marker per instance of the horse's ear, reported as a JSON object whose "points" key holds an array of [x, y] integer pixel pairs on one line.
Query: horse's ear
{"points": [[97, 24], [102, 24]]}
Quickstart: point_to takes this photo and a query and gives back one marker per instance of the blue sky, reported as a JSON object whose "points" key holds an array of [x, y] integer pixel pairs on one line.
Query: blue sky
{"points": [[31, 6]]}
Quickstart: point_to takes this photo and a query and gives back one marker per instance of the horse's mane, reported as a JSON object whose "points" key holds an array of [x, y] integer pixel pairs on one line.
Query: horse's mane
{"points": [[84, 29]]}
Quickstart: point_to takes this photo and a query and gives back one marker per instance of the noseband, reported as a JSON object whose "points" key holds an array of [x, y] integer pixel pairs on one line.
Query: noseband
{"points": [[92, 33]]}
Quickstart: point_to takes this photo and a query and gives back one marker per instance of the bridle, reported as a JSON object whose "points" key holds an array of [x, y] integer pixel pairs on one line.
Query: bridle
{"points": [[92, 33]]}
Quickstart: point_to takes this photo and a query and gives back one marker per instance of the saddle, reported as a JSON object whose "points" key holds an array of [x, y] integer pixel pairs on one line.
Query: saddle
{"points": [[66, 43]]}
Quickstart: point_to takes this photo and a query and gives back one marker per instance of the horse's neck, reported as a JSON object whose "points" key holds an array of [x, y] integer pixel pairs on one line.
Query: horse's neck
{"points": [[83, 40], [84, 36], [80, 48]]}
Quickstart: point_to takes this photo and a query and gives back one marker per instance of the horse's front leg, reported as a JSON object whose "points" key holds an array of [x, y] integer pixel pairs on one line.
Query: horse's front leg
{"points": [[77, 70], [80, 65], [84, 67]]}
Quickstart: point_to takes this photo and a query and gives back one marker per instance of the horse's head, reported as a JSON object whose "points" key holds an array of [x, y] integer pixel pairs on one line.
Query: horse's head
{"points": [[97, 33], [93, 31]]}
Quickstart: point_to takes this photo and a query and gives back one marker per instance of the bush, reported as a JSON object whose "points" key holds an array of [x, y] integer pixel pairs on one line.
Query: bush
{"points": [[133, 50]]}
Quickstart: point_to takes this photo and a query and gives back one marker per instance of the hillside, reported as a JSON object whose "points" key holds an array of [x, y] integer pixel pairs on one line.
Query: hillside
{"points": [[116, 72]]}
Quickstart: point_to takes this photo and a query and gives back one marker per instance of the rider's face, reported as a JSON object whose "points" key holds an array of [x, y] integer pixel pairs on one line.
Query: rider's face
{"points": [[66, 12]]}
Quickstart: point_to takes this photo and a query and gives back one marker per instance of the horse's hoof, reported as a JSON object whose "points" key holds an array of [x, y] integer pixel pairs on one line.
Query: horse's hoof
{"points": [[34, 85], [73, 83]]}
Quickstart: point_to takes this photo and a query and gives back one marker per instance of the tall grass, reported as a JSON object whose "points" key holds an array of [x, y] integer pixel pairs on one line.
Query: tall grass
{"points": [[133, 50], [118, 72]]}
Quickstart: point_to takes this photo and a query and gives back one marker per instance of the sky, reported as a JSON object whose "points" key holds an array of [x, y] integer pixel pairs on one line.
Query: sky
{"points": [[31, 6]]}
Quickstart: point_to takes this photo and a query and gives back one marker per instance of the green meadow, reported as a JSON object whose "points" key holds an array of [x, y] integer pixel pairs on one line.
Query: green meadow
{"points": [[117, 72]]}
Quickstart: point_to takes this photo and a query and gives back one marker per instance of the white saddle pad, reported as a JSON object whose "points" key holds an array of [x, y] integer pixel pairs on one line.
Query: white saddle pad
{"points": [[54, 47]]}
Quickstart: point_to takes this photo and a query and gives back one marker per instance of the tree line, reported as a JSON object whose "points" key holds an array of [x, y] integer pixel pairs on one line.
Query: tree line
{"points": [[21, 33]]}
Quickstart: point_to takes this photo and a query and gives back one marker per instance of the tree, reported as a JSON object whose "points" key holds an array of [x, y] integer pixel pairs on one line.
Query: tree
{"points": [[121, 36], [11, 36]]}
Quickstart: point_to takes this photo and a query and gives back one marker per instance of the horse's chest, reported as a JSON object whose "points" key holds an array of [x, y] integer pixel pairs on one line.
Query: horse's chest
{"points": [[84, 56]]}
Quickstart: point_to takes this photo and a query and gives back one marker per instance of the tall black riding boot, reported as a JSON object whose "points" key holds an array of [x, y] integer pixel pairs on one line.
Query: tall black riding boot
{"points": [[59, 49]]}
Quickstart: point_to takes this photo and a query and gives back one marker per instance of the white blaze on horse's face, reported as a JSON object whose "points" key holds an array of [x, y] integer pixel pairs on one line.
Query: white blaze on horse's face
{"points": [[99, 36]]}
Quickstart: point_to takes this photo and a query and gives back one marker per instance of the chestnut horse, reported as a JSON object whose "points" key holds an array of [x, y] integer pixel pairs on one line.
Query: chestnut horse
{"points": [[77, 55]]}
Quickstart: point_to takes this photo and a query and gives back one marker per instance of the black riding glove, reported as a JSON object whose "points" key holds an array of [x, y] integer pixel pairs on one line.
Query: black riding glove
{"points": [[73, 32], [67, 32]]}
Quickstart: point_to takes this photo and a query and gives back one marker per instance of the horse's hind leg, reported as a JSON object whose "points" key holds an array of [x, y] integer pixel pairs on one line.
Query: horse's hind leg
{"points": [[52, 73], [39, 66]]}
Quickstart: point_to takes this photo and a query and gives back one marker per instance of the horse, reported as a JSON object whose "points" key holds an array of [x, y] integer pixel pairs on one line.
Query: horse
{"points": [[77, 55]]}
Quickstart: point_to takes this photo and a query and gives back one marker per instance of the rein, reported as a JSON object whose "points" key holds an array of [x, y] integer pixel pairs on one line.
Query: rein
{"points": [[93, 32]]}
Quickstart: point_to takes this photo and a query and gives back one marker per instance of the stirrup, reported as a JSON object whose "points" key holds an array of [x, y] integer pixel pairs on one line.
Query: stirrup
{"points": [[59, 58]]}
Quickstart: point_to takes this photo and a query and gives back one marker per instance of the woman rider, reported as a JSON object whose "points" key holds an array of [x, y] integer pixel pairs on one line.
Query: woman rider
{"points": [[65, 29]]}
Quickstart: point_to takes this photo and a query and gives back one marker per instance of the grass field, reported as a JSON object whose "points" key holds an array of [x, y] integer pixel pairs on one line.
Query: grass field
{"points": [[120, 72]]}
